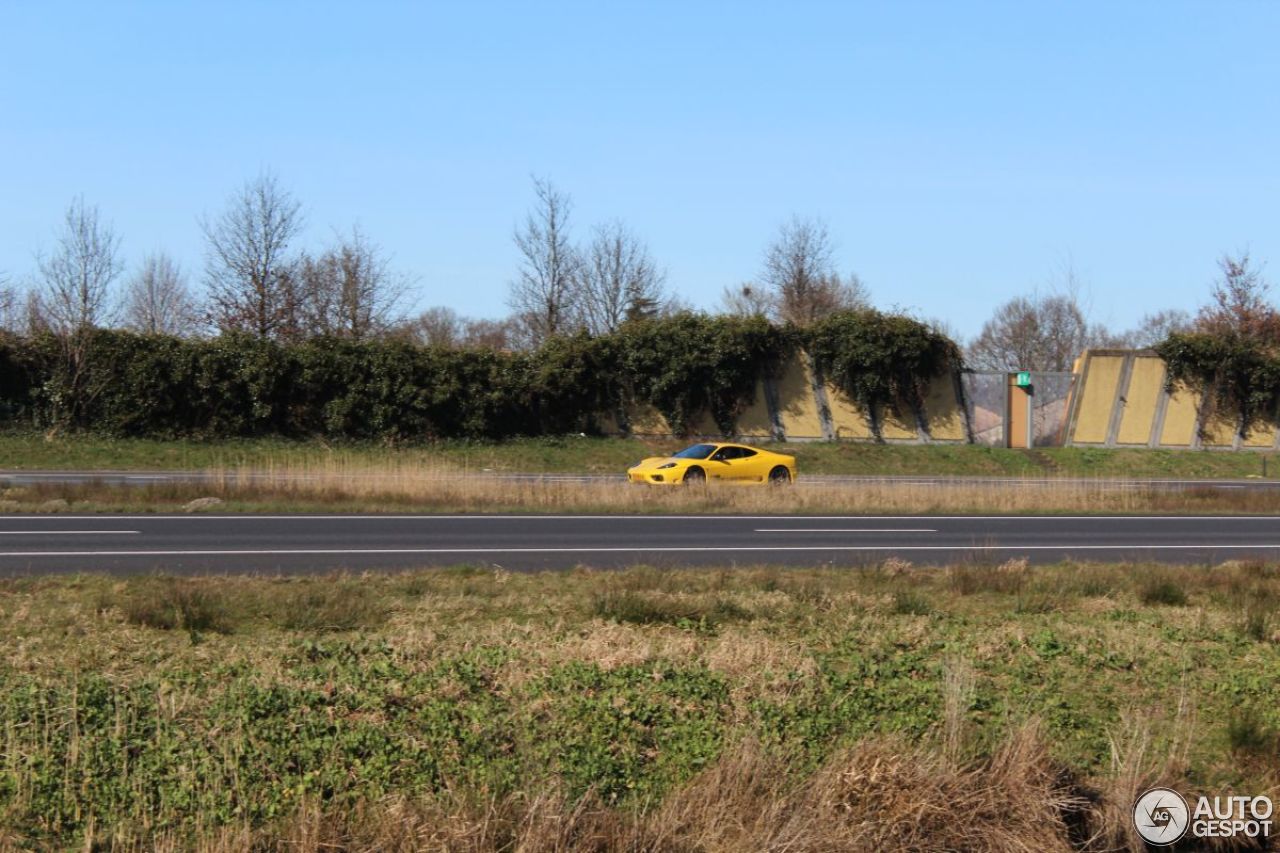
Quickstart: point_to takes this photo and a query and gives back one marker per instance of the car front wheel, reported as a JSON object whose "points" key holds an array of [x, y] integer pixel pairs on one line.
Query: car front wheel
{"points": [[694, 476]]}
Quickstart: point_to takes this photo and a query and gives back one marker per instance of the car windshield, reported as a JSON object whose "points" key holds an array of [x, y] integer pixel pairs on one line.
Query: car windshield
{"points": [[697, 451]]}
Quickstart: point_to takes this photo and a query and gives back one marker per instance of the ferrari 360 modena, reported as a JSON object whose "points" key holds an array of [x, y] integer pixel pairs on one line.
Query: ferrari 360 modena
{"points": [[716, 462]]}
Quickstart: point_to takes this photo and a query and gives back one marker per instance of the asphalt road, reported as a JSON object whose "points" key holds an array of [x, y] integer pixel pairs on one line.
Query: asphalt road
{"points": [[37, 544]]}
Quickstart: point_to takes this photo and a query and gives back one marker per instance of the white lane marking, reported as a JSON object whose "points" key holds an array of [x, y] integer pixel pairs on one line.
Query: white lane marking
{"points": [[637, 549], [845, 530], [64, 532]]}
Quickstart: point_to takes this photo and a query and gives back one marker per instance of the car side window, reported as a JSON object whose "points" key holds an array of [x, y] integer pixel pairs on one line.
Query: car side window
{"points": [[745, 453]]}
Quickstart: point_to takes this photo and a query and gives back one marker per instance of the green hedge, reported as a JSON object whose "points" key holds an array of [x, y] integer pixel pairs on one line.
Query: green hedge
{"points": [[882, 361], [127, 384], [1240, 375]]}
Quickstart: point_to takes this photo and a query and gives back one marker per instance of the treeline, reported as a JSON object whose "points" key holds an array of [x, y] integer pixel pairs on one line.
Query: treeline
{"points": [[257, 281], [239, 385]]}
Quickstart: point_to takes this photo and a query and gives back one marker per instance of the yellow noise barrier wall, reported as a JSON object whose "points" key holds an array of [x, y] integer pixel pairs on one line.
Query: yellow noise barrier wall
{"points": [[791, 406], [1121, 401]]}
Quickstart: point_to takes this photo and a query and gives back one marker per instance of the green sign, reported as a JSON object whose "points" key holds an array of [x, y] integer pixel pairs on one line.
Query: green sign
{"points": [[1024, 379]]}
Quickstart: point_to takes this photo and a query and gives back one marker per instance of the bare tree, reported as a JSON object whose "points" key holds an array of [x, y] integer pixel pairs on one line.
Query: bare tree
{"points": [[10, 304], [76, 277], [73, 297], [252, 286], [747, 300], [34, 319], [437, 326], [543, 292], [1151, 330], [1039, 332], [800, 272], [942, 326], [1154, 328], [442, 326], [1239, 303], [488, 334], [1102, 336], [349, 291], [618, 280], [837, 293], [157, 299]]}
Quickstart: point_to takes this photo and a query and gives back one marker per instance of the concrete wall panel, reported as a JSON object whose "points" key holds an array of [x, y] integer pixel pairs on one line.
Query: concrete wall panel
{"points": [[646, 420], [1261, 437], [754, 422], [1180, 419], [1097, 398], [799, 411], [946, 420], [846, 416], [1140, 402], [896, 428], [1219, 432]]}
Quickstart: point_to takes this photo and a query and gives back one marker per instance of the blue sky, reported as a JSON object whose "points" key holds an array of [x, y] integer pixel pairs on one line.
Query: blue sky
{"points": [[961, 154]]}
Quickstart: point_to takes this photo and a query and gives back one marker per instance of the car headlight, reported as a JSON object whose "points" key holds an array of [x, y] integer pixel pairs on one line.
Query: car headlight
{"points": [[668, 465]]}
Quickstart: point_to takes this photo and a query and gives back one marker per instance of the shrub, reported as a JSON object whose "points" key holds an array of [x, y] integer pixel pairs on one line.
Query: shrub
{"points": [[176, 604], [1161, 590], [969, 579], [907, 603], [1256, 623], [333, 605], [1247, 734], [639, 609]]}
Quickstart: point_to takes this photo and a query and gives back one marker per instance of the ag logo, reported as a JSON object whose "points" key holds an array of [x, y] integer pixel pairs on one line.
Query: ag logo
{"points": [[1161, 816]]}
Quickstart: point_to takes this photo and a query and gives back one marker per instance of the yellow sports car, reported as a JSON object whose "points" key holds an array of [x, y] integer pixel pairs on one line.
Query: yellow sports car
{"points": [[732, 463]]}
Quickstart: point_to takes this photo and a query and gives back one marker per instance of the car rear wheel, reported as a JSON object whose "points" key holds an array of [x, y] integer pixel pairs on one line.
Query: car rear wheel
{"points": [[694, 477], [779, 476]]}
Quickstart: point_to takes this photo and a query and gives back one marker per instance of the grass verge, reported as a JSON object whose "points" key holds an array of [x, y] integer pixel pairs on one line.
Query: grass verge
{"points": [[35, 451], [339, 485], [886, 707]]}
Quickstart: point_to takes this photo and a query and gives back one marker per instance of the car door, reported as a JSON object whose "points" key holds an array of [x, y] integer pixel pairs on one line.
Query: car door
{"points": [[750, 465], [721, 464], [733, 463]]}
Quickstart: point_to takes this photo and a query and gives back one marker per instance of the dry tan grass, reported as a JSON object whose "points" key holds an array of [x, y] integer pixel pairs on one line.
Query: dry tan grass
{"points": [[350, 482], [339, 480], [442, 487]]}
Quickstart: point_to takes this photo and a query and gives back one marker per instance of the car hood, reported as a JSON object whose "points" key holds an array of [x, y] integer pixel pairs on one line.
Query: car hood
{"points": [[655, 461]]}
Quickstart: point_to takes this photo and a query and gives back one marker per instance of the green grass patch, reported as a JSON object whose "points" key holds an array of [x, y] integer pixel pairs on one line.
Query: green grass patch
{"points": [[340, 695]]}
